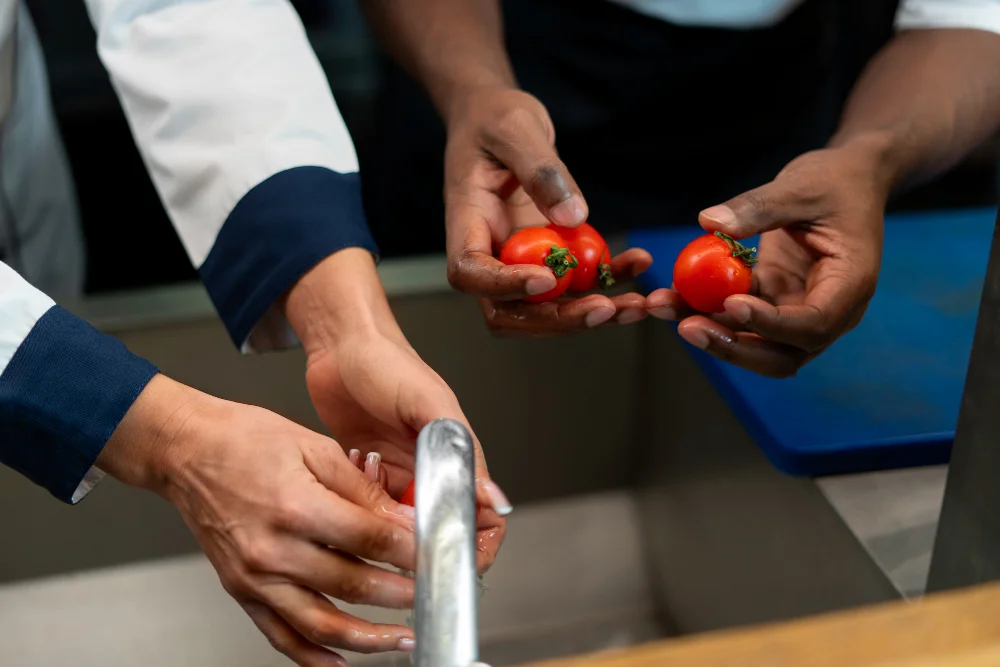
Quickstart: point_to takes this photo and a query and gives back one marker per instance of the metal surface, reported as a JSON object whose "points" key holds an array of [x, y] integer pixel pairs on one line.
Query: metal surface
{"points": [[731, 541], [967, 547], [446, 596]]}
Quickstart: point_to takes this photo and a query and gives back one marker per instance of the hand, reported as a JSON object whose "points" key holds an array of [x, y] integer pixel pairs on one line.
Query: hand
{"points": [[820, 251], [370, 387], [280, 512], [502, 173]]}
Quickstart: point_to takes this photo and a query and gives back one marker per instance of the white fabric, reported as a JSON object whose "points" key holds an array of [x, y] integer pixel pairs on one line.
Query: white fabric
{"points": [[21, 306], [979, 14], [220, 95]]}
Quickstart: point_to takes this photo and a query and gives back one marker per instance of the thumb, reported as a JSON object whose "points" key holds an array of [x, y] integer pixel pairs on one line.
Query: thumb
{"points": [[762, 209], [525, 147]]}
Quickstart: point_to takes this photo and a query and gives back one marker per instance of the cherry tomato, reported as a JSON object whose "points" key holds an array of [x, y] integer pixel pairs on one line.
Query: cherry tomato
{"points": [[711, 268], [543, 247], [409, 496], [591, 251]]}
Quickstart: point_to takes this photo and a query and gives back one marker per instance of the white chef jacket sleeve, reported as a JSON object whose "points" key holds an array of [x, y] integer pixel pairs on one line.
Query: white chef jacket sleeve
{"points": [[64, 388], [975, 14], [235, 120]]}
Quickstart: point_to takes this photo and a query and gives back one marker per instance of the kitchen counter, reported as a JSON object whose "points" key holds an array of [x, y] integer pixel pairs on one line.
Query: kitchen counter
{"points": [[960, 629]]}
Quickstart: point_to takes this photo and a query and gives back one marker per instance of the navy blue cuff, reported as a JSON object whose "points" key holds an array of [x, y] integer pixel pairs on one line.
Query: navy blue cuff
{"points": [[62, 395], [279, 230]]}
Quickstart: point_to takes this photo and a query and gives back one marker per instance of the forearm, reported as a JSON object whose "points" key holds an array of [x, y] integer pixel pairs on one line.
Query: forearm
{"points": [[450, 46], [925, 101]]}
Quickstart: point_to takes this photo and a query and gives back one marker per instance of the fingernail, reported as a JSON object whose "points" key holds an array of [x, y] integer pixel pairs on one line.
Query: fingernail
{"points": [[664, 313], [407, 511], [739, 310], [497, 498], [698, 338], [630, 316], [720, 214], [599, 316], [372, 463], [570, 212], [540, 285], [354, 456], [408, 644]]}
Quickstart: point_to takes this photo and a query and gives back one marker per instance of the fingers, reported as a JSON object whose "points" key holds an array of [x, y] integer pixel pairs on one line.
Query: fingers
{"points": [[777, 204], [317, 620], [667, 304], [743, 349], [478, 273], [287, 641], [342, 576], [522, 140], [562, 316], [630, 264]]}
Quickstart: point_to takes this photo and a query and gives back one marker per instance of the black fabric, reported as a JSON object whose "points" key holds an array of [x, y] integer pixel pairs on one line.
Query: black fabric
{"points": [[654, 120]]}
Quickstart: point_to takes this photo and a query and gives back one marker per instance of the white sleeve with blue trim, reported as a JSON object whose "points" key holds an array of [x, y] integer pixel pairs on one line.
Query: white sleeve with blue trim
{"points": [[64, 388], [235, 120], [974, 14]]}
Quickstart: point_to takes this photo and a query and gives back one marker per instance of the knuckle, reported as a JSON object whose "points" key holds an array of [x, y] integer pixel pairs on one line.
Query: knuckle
{"points": [[327, 630], [237, 583], [291, 515], [381, 541], [357, 589], [259, 555], [513, 121]]}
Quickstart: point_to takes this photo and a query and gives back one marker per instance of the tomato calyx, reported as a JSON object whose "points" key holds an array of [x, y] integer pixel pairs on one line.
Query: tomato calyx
{"points": [[740, 251], [604, 278], [560, 260]]}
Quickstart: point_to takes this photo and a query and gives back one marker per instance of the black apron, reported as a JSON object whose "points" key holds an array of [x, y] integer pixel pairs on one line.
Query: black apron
{"points": [[654, 120]]}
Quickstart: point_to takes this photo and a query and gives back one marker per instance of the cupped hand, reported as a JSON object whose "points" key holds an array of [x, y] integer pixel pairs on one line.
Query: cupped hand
{"points": [[502, 173], [821, 226], [375, 394], [281, 513]]}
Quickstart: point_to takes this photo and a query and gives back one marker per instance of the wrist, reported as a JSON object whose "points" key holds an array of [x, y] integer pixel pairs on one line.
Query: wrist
{"points": [[146, 447], [339, 297], [880, 152]]}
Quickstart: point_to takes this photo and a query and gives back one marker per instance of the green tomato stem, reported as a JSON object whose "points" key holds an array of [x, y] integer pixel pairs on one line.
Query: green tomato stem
{"points": [[740, 251], [560, 260]]}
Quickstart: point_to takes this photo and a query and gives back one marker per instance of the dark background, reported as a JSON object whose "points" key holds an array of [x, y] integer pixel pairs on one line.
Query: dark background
{"points": [[119, 206]]}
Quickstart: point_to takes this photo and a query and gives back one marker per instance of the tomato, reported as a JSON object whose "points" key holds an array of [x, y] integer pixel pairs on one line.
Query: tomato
{"points": [[711, 268], [592, 254], [409, 496], [542, 247]]}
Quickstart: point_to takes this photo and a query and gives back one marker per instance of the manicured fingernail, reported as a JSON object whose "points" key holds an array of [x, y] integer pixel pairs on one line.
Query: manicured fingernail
{"points": [[698, 338], [739, 310], [599, 316], [497, 498], [354, 456], [720, 214], [570, 212], [372, 463], [408, 644], [540, 285], [630, 316], [664, 313]]}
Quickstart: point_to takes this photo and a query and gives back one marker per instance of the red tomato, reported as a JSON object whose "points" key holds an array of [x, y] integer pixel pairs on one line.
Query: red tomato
{"points": [[409, 494], [711, 268], [591, 251], [543, 247]]}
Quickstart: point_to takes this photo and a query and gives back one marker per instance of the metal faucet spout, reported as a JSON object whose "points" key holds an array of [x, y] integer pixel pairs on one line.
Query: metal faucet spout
{"points": [[446, 588]]}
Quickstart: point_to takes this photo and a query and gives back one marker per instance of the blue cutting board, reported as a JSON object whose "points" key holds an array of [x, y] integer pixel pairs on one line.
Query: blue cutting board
{"points": [[887, 394]]}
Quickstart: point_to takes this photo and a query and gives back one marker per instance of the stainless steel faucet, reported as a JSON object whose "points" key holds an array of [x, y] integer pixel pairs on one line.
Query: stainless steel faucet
{"points": [[446, 594]]}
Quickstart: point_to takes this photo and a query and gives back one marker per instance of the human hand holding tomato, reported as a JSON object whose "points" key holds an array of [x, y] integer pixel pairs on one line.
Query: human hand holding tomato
{"points": [[821, 230], [502, 174]]}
